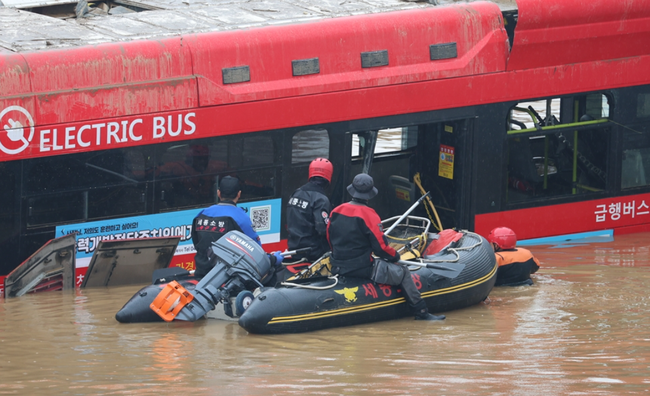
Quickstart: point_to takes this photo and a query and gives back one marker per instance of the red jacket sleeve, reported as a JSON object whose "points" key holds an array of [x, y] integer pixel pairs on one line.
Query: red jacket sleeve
{"points": [[378, 240]]}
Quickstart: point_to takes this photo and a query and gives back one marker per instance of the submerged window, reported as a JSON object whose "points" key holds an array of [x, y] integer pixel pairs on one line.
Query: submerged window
{"points": [[558, 147]]}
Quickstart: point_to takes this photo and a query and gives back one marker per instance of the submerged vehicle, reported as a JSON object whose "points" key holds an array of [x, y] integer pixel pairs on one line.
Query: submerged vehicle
{"points": [[452, 270], [533, 114]]}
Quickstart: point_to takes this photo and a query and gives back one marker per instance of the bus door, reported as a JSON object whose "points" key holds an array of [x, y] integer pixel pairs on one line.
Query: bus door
{"points": [[442, 165], [406, 162]]}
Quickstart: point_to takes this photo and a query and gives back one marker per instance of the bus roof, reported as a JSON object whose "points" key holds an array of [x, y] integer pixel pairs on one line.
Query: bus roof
{"points": [[34, 25]]}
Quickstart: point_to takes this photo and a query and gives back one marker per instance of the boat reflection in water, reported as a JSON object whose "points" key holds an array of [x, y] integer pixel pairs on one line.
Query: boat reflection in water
{"points": [[581, 329]]}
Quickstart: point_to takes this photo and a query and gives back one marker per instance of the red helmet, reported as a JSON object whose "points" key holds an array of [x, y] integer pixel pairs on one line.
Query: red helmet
{"points": [[321, 167], [503, 237]]}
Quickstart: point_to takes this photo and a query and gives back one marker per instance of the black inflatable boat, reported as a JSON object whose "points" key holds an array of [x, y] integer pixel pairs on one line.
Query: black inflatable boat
{"points": [[451, 269], [462, 273]]}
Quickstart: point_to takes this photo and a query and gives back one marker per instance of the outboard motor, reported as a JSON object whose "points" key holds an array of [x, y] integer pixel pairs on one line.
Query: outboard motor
{"points": [[240, 264]]}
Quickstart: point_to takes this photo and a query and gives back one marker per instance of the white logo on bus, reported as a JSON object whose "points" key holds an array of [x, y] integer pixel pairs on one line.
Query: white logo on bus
{"points": [[15, 129]]}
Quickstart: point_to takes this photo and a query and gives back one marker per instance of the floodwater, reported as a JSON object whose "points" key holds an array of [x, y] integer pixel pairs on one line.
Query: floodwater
{"points": [[582, 329]]}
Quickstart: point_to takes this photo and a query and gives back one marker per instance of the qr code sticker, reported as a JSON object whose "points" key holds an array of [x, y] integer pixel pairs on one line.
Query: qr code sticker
{"points": [[261, 217]]}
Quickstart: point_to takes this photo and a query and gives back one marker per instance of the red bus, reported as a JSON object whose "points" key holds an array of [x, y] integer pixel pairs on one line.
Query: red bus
{"points": [[535, 117]]}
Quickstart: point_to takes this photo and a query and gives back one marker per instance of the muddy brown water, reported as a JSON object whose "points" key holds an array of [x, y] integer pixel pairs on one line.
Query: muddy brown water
{"points": [[582, 329]]}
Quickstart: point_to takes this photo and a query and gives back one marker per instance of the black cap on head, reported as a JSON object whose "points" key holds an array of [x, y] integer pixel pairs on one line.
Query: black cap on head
{"points": [[229, 187], [362, 187]]}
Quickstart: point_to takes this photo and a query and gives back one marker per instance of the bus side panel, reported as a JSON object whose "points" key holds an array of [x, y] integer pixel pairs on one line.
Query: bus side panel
{"points": [[315, 109], [110, 80], [571, 218], [554, 32], [476, 31], [14, 77]]}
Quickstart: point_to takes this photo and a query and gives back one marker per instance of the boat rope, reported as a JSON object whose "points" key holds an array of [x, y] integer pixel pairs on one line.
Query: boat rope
{"points": [[456, 250], [298, 285], [289, 263], [475, 235], [390, 237]]}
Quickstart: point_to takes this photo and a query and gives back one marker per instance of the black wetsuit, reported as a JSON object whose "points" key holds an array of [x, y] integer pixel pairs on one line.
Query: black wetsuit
{"points": [[308, 213]]}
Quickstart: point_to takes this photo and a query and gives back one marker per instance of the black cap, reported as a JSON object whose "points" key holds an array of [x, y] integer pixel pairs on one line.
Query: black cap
{"points": [[229, 187], [362, 187]]}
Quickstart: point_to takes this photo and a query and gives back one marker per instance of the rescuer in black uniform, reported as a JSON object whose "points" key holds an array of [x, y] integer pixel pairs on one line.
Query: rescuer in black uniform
{"points": [[308, 212], [217, 220], [355, 232], [515, 264]]}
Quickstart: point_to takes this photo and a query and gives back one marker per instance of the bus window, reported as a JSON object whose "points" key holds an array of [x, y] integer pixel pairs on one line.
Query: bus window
{"points": [[527, 114], [187, 174], [258, 183], [636, 162], [635, 171], [643, 105], [391, 152], [558, 147], [389, 140], [84, 186], [306, 145], [309, 144], [258, 150]]}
